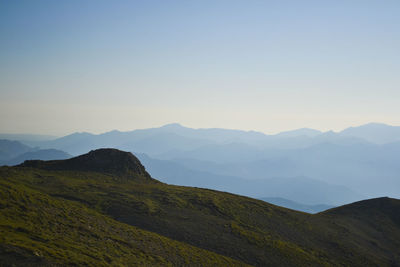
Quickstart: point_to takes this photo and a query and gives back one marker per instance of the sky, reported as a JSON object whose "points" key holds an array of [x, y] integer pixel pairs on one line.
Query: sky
{"points": [[269, 66]]}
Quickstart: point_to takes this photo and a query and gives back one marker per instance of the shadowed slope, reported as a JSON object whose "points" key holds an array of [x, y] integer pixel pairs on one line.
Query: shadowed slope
{"points": [[370, 210], [368, 229]]}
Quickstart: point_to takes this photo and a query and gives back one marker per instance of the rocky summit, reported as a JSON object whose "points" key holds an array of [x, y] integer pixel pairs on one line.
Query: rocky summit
{"points": [[105, 160]]}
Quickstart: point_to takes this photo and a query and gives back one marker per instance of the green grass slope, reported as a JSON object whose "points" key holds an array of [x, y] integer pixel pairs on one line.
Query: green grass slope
{"points": [[245, 229], [39, 230]]}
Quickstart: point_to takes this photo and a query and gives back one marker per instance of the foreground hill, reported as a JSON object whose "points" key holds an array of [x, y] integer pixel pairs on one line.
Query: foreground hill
{"points": [[40, 230], [110, 206]]}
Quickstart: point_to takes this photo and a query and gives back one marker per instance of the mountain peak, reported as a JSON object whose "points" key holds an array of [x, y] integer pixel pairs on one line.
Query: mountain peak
{"points": [[105, 160], [371, 125], [173, 125]]}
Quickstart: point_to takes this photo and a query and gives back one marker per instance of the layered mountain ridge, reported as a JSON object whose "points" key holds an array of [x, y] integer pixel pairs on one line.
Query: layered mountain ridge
{"points": [[362, 160]]}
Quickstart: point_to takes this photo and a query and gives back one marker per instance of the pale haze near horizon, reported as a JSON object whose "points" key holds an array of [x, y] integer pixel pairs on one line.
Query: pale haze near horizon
{"points": [[267, 66]]}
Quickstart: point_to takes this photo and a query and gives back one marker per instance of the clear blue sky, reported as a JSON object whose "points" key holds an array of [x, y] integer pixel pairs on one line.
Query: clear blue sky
{"points": [[95, 66]]}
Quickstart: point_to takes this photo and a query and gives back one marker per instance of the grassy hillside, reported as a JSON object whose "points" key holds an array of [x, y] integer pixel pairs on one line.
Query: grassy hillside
{"points": [[241, 228], [37, 229]]}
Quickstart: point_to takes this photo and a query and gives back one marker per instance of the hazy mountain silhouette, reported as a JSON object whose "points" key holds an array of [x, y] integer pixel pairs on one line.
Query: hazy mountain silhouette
{"points": [[14, 152], [295, 205], [300, 189], [378, 133], [10, 149], [42, 154], [27, 137], [176, 137], [366, 168], [156, 140], [300, 132], [345, 158]]}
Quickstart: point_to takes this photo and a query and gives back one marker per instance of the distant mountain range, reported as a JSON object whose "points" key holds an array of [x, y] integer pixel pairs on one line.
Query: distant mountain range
{"points": [[337, 167], [103, 209], [41, 154], [28, 139], [300, 132], [14, 152], [378, 133], [295, 205], [10, 149], [176, 137], [299, 189]]}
